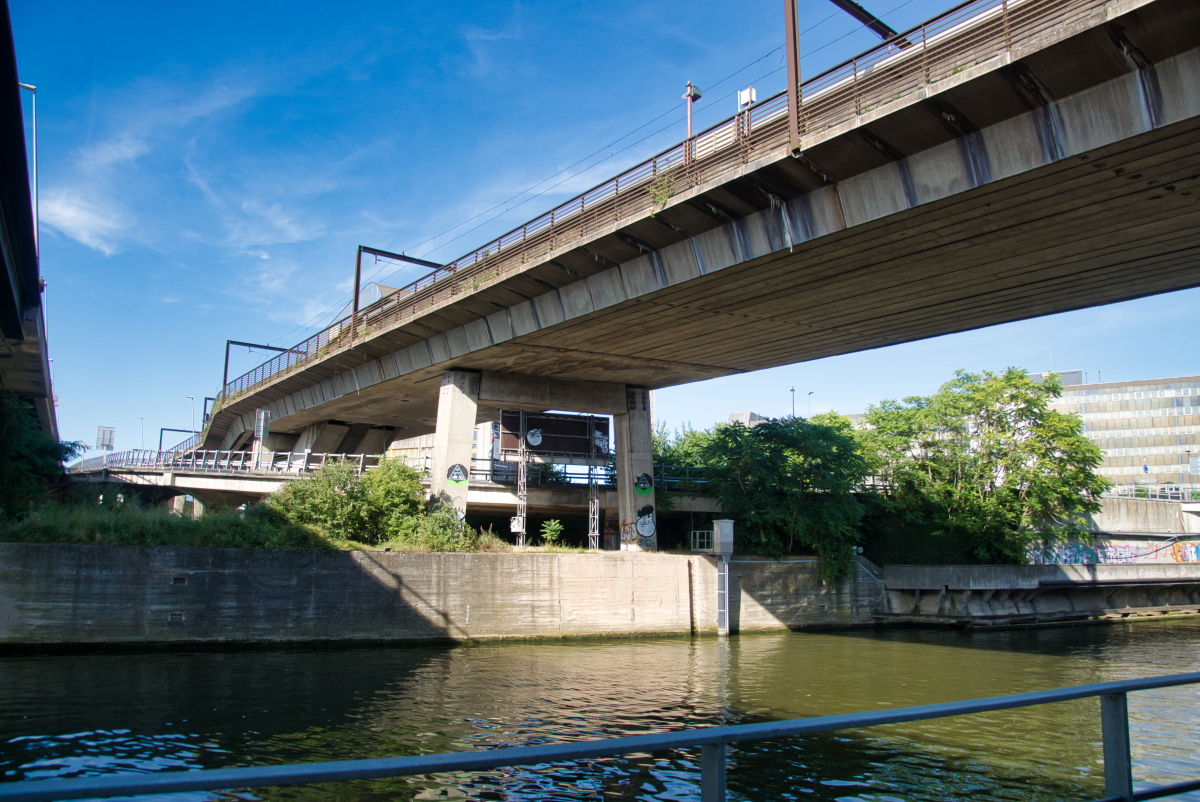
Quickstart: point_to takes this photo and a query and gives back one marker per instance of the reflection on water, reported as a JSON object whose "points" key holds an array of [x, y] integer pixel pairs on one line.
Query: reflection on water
{"points": [[65, 716]]}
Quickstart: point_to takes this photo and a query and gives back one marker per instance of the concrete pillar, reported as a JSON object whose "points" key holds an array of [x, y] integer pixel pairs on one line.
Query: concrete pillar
{"points": [[458, 402], [635, 472], [197, 507], [175, 505]]}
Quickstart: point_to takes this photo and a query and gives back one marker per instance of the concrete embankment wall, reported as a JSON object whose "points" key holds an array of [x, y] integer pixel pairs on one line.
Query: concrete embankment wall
{"points": [[1144, 515], [71, 594], [1008, 594]]}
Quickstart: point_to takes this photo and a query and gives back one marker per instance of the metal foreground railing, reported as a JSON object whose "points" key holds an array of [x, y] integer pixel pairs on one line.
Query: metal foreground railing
{"points": [[966, 35], [1114, 724]]}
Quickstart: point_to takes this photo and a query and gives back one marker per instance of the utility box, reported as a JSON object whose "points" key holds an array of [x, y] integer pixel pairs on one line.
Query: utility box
{"points": [[722, 537]]}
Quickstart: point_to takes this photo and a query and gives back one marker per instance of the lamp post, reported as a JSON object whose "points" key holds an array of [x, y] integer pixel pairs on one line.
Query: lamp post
{"points": [[793, 402], [192, 398], [810, 392], [691, 96], [36, 244], [142, 426]]}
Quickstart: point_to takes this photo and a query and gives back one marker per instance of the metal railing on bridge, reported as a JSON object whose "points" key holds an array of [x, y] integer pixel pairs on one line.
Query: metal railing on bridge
{"points": [[1185, 492], [966, 35], [712, 741], [270, 462], [671, 477]]}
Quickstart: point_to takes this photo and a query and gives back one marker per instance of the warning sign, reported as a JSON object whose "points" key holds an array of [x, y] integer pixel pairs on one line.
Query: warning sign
{"points": [[457, 475], [644, 484]]}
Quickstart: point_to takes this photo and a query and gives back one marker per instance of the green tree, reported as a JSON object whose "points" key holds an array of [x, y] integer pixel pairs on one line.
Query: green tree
{"points": [[552, 530], [396, 494], [335, 499], [683, 447], [789, 482], [29, 458], [986, 462]]}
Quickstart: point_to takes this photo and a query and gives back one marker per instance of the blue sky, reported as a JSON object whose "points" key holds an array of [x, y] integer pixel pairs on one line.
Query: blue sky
{"points": [[207, 169]]}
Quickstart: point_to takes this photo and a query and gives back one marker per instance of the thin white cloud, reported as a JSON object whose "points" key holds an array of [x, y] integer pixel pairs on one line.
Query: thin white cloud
{"points": [[96, 225]]}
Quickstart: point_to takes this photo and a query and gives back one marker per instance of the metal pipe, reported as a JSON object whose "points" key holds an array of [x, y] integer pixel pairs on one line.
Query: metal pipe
{"points": [[354, 301], [1114, 728], [792, 43]]}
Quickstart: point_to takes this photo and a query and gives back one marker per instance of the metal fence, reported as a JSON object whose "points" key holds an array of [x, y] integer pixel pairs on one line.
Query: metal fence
{"points": [[968, 34], [670, 477], [238, 462], [1187, 492], [712, 741]]}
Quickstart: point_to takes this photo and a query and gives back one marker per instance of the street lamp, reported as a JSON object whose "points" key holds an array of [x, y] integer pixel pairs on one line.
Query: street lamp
{"points": [[810, 392], [36, 244], [142, 426], [793, 402], [192, 398]]}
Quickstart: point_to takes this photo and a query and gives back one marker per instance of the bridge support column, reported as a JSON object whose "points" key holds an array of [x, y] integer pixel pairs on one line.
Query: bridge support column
{"points": [[635, 472], [458, 402]]}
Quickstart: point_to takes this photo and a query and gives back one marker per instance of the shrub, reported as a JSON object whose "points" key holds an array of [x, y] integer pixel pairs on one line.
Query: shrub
{"points": [[552, 530]]}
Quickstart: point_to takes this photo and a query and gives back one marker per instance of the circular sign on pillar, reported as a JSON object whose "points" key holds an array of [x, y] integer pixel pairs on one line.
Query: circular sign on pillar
{"points": [[644, 484], [456, 475], [534, 438], [645, 523]]}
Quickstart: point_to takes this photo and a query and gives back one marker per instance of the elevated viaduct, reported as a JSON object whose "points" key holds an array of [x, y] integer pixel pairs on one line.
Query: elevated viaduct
{"points": [[1002, 161]]}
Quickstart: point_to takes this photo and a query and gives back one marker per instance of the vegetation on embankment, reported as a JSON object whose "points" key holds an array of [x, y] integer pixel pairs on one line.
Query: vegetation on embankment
{"points": [[976, 473], [334, 508]]}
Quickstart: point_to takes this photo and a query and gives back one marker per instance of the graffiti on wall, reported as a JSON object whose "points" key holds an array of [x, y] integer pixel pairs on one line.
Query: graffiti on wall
{"points": [[641, 530], [1117, 552]]}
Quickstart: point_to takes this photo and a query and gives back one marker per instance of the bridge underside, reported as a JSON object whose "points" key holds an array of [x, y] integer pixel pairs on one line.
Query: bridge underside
{"points": [[1063, 179]]}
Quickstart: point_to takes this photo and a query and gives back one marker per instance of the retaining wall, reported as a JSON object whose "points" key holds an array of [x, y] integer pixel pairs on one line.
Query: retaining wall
{"points": [[72, 594]]}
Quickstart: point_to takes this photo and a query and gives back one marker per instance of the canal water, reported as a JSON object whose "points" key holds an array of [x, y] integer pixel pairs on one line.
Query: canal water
{"points": [[70, 716]]}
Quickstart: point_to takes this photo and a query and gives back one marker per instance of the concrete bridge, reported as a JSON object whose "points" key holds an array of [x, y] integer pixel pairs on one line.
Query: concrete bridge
{"points": [[1003, 161], [220, 479]]}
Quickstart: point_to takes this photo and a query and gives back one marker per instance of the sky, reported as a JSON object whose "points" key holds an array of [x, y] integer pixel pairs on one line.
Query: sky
{"points": [[206, 171]]}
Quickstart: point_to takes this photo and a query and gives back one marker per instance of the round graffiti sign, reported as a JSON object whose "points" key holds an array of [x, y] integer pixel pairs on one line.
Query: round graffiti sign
{"points": [[645, 522], [456, 475], [534, 438]]}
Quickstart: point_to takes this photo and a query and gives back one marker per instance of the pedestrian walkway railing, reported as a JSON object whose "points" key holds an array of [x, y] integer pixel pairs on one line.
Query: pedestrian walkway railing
{"points": [[914, 61], [1188, 492], [295, 463], [226, 462], [712, 741]]}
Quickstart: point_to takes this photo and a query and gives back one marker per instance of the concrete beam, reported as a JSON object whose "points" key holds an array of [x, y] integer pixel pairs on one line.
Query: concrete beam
{"points": [[516, 391]]}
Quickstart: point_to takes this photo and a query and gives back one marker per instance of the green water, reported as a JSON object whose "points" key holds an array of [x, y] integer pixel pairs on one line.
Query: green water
{"points": [[63, 716]]}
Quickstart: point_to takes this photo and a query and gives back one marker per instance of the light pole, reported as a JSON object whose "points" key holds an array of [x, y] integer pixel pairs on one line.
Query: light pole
{"points": [[793, 402], [36, 243], [810, 392], [142, 426], [691, 96], [192, 398]]}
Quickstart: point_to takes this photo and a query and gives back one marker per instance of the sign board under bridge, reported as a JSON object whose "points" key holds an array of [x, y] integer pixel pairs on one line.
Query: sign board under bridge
{"points": [[558, 439]]}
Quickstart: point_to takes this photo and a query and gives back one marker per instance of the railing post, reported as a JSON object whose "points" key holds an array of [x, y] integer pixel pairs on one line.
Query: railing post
{"points": [[1114, 726], [712, 773]]}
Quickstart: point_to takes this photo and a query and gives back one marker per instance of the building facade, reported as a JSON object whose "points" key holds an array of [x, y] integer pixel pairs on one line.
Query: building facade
{"points": [[1149, 429]]}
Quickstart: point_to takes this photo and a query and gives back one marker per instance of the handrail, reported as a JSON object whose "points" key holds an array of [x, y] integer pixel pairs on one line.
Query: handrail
{"points": [[712, 740], [968, 34]]}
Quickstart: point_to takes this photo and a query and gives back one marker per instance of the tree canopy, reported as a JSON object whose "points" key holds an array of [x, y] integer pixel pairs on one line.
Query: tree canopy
{"points": [[789, 482], [979, 471], [986, 460]]}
